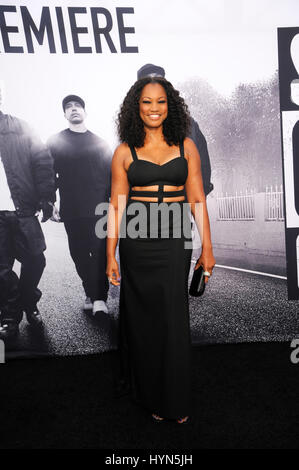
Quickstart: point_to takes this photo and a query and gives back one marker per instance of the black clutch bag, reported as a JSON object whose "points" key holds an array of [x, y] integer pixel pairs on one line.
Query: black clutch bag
{"points": [[197, 286]]}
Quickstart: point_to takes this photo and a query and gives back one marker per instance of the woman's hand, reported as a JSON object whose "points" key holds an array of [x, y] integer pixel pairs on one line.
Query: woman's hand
{"points": [[113, 272], [207, 260]]}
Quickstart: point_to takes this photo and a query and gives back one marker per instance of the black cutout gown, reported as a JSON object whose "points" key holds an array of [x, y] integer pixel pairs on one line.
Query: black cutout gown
{"points": [[154, 329]]}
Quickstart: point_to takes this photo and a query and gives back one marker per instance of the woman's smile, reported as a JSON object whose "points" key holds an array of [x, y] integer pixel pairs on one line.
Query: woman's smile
{"points": [[154, 116]]}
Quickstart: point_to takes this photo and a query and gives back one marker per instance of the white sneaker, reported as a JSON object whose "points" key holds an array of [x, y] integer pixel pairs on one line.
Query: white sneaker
{"points": [[87, 304], [99, 306]]}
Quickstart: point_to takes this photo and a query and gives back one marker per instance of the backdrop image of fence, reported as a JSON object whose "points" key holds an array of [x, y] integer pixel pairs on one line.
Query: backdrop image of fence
{"points": [[274, 209], [242, 206], [237, 207]]}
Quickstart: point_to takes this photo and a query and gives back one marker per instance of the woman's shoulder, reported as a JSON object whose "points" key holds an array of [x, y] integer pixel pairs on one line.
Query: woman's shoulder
{"points": [[122, 151], [190, 149], [122, 154], [189, 144]]}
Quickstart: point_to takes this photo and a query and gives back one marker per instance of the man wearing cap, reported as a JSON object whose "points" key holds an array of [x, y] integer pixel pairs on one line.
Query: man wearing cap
{"points": [[195, 133], [27, 184], [82, 162]]}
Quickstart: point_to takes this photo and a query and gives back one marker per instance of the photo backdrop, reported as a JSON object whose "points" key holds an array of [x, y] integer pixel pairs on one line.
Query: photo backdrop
{"points": [[223, 57]]}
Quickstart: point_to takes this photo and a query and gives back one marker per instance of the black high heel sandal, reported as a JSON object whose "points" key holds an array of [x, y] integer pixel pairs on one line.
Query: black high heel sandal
{"points": [[186, 420], [157, 419]]}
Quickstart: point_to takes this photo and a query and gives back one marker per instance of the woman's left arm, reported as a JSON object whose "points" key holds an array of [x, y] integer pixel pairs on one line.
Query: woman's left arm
{"points": [[197, 201]]}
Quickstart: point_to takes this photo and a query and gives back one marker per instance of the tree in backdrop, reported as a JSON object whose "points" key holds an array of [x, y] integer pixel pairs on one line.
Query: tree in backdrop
{"points": [[242, 132]]}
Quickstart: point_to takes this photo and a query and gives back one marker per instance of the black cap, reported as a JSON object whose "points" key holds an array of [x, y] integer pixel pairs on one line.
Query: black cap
{"points": [[69, 98], [149, 69]]}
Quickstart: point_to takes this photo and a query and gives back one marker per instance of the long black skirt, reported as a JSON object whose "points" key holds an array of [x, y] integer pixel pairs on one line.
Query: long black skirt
{"points": [[154, 339]]}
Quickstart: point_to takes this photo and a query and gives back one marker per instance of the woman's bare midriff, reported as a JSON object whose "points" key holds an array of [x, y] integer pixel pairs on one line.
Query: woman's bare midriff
{"points": [[156, 188]]}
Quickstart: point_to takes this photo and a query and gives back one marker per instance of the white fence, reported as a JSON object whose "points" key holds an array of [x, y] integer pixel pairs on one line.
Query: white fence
{"points": [[242, 206], [274, 203], [237, 207]]}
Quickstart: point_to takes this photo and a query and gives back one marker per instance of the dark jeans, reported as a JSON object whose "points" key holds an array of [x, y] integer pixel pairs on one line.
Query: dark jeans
{"points": [[89, 255], [20, 239]]}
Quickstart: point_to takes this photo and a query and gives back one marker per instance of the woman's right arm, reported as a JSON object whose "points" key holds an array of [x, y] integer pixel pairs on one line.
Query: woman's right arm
{"points": [[118, 201]]}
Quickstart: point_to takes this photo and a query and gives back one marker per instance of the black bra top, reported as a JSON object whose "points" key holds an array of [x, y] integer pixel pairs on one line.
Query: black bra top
{"points": [[147, 173]]}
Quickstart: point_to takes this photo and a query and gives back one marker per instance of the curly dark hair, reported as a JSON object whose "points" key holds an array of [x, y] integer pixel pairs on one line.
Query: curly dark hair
{"points": [[130, 125]]}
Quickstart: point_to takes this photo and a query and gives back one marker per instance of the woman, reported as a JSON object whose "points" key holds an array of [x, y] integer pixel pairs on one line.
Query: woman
{"points": [[154, 315]]}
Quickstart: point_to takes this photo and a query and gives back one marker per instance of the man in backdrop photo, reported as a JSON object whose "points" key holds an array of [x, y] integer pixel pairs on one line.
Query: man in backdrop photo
{"points": [[82, 162], [27, 184]]}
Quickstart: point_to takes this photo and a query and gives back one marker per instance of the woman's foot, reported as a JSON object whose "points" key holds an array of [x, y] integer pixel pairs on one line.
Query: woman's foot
{"points": [[183, 420], [157, 418]]}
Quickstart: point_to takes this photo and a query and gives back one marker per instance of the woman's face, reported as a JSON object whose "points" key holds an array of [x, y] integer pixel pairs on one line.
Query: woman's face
{"points": [[153, 106]]}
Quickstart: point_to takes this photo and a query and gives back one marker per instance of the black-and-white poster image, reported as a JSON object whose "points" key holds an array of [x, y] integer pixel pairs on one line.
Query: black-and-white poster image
{"points": [[65, 71]]}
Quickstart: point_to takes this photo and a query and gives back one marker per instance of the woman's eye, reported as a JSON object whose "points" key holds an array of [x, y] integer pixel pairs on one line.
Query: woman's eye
{"points": [[160, 102], [146, 102]]}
